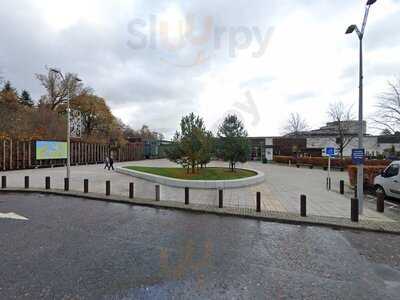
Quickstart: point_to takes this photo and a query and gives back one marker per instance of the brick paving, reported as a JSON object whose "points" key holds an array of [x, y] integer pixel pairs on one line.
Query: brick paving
{"points": [[280, 192]]}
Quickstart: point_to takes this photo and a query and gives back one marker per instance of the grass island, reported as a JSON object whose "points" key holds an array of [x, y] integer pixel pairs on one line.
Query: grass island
{"points": [[201, 174]]}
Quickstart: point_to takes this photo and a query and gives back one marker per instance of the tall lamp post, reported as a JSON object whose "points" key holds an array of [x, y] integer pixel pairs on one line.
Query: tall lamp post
{"points": [[360, 167], [58, 72]]}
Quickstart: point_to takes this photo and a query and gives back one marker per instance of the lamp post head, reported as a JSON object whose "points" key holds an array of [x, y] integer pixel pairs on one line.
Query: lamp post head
{"points": [[370, 2], [351, 29]]}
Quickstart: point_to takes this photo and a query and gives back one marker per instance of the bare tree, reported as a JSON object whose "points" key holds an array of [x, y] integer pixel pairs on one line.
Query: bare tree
{"points": [[342, 116], [386, 131], [387, 115], [295, 124], [59, 89]]}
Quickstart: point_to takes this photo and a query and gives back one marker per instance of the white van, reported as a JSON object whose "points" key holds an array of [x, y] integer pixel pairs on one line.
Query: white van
{"points": [[389, 181]]}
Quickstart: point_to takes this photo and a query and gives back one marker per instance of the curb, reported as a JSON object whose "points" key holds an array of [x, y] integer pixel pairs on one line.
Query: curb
{"points": [[247, 213], [196, 184]]}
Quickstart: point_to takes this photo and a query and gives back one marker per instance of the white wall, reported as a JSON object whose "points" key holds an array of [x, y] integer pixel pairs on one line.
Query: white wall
{"points": [[370, 144]]}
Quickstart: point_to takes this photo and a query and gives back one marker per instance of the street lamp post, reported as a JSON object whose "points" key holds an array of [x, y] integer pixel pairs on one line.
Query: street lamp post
{"points": [[68, 122], [360, 167]]}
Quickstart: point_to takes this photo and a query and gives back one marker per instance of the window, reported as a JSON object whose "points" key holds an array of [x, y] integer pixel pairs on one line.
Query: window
{"points": [[392, 171]]}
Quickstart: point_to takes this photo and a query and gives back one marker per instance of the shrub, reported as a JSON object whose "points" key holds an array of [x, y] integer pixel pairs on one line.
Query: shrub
{"points": [[377, 162], [370, 172], [323, 161], [284, 159]]}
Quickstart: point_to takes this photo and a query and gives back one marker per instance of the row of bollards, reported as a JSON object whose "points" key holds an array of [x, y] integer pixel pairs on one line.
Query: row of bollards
{"points": [[329, 185], [221, 199], [157, 192], [66, 185], [303, 199]]}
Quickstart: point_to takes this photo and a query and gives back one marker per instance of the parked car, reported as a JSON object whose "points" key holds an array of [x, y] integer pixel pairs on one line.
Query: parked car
{"points": [[389, 181]]}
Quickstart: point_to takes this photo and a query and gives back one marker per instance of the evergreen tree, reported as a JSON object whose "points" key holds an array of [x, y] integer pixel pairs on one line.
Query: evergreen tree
{"points": [[26, 99], [233, 145], [191, 146], [8, 87]]}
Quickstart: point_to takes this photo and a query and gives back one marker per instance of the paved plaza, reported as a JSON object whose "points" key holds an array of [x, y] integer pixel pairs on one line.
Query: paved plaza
{"points": [[280, 192]]}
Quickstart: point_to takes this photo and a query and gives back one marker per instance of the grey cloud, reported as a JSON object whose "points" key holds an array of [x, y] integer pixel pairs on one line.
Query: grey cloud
{"points": [[301, 96], [154, 80], [385, 33], [257, 82]]}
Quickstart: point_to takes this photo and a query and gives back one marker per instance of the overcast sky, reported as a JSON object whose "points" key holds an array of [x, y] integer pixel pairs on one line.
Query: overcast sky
{"points": [[155, 61]]}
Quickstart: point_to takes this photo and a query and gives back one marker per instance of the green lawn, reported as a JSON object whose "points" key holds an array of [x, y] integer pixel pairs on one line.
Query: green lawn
{"points": [[202, 174]]}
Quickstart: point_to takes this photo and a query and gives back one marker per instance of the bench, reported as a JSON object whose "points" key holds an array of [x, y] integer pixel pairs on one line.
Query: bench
{"points": [[341, 169], [298, 165]]}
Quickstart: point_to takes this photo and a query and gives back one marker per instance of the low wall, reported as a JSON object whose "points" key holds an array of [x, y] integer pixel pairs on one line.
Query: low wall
{"points": [[237, 193]]}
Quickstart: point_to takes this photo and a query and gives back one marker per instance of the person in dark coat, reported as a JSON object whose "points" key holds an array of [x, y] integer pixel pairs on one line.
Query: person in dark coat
{"points": [[111, 163]]}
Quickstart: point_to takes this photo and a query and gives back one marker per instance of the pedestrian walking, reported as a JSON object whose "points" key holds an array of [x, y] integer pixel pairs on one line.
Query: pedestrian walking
{"points": [[107, 163], [111, 163]]}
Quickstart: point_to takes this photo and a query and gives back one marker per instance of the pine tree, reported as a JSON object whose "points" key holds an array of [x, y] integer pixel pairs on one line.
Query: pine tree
{"points": [[191, 146], [26, 99], [233, 145], [8, 87]]}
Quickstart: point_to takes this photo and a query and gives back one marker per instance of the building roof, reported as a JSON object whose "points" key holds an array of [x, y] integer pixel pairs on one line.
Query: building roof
{"points": [[389, 139]]}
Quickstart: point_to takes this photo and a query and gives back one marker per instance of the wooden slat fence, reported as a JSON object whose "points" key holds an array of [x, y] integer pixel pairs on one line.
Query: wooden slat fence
{"points": [[16, 155]]}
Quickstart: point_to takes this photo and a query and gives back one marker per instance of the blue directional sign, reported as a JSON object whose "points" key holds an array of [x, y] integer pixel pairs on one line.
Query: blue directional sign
{"points": [[330, 151], [358, 156]]}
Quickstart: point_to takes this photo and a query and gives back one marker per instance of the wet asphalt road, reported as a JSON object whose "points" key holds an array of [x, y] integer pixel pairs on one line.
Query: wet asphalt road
{"points": [[80, 249]]}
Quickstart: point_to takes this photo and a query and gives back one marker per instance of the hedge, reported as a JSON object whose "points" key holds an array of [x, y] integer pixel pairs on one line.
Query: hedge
{"points": [[323, 161], [370, 172]]}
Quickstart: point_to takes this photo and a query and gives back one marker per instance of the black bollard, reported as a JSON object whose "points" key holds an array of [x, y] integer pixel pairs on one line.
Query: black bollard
{"points": [[258, 202], [47, 183], [186, 195], [355, 192], [3, 182], [131, 190], [157, 193], [221, 198], [354, 210], [303, 205], [380, 202], [86, 186], [108, 188], [342, 187], [27, 182], [66, 184], [328, 183]]}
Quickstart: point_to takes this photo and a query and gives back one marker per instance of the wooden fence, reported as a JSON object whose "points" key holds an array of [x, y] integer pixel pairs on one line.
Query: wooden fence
{"points": [[16, 155]]}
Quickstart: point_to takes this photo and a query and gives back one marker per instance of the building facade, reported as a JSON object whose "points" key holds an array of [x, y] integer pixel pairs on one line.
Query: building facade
{"points": [[314, 142]]}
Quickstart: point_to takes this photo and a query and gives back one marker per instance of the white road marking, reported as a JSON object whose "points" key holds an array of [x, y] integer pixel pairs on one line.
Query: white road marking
{"points": [[12, 216], [392, 204]]}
